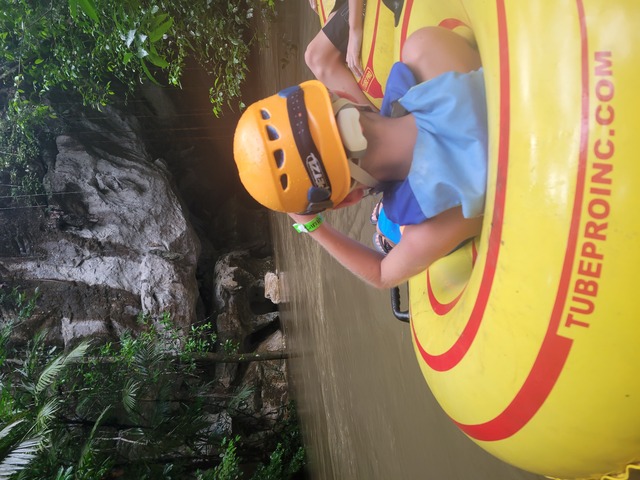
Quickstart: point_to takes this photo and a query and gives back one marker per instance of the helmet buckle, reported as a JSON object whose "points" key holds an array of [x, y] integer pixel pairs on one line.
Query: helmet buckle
{"points": [[319, 200]]}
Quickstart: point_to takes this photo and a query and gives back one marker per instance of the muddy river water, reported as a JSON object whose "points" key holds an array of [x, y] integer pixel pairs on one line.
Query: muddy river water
{"points": [[366, 410]]}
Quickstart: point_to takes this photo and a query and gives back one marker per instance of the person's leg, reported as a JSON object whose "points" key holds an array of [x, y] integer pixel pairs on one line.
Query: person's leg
{"points": [[431, 51], [327, 61]]}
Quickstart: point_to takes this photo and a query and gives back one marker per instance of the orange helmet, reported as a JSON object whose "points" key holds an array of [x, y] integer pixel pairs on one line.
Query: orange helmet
{"points": [[289, 151]]}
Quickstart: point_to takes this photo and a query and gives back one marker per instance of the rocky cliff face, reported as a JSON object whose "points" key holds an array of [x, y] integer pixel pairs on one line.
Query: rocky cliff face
{"points": [[134, 220], [112, 241]]}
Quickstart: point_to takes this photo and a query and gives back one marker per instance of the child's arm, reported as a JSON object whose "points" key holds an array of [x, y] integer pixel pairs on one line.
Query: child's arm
{"points": [[354, 46], [423, 244], [419, 247], [362, 261]]}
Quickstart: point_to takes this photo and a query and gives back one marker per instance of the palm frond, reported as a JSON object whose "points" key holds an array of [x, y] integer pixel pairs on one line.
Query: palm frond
{"points": [[46, 414], [78, 352], [87, 448], [5, 331], [19, 458], [6, 430], [97, 423], [86, 405], [241, 396], [34, 354], [52, 371], [38, 339], [130, 394], [5, 334], [49, 374], [64, 474], [146, 358], [11, 434]]}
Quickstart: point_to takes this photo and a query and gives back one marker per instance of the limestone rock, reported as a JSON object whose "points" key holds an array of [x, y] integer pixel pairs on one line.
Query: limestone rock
{"points": [[268, 382], [114, 229], [239, 292], [272, 287], [250, 320]]}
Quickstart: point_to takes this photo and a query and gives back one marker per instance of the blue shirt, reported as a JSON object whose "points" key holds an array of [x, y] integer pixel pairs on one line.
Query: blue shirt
{"points": [[449, 166]]}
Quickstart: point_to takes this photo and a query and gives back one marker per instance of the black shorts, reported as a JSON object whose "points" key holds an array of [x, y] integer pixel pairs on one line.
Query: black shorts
{"points": [[337, 28]]}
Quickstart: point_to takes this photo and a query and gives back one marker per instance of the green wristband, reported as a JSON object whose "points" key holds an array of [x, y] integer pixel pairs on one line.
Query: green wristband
{"points": [[310, 226]]}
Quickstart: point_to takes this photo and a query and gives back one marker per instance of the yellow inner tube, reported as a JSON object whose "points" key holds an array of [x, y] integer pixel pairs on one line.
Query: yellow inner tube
{"points": [[527, 336]]}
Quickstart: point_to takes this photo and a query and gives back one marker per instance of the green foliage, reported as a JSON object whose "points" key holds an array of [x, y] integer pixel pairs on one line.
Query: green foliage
{"points": [[283, 464], [136, 408], [19, 147], [201, 339], [19, 302], [285, 461], [230, 347], [229, 467], [20, 455], [289, 456], [99, 50], [29, 404], [87, 46]]}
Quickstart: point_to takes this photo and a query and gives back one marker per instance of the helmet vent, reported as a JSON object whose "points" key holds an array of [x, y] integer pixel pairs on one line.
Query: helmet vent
{"points": [[272, 133], [265, 114], [278, 155], [284, 181]]}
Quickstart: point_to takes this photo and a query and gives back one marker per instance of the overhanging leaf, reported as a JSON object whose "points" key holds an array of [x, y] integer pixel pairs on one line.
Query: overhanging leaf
{"points": [[157, 60], [89, 9], [146, 71], [73, 8], [163, 28]]}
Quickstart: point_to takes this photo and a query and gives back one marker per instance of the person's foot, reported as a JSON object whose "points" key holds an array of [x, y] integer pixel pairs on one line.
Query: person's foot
{"points": [[376, 213], [381, 243]]}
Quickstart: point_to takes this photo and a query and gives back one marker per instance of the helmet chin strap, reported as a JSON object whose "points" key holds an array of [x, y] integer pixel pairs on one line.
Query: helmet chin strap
{"points": [[359, 174], [355, 143]]}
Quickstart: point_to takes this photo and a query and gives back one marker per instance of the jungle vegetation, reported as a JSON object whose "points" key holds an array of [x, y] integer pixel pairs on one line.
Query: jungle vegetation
{"points": [[114, 411], [140, 408], [100, 51]]}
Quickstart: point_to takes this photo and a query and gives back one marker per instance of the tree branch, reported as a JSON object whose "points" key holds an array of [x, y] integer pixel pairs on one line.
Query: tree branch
{"points": [[200, 358]]}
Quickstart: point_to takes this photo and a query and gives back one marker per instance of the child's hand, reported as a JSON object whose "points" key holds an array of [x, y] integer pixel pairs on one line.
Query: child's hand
{"points": [[354, 49], [301, 218]]}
